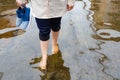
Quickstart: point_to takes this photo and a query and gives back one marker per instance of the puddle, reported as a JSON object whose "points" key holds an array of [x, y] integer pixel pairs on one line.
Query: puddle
{"points": [[7, 11], [55, 68], [107, 33], [12, 33], [5, 23]]}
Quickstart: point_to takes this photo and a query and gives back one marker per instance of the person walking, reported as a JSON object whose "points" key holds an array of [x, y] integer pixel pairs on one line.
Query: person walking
{"points": [[48, 14]]}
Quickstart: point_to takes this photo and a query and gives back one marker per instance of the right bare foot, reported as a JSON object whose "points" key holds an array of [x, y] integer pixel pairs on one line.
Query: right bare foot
{"points": [[55, 49]]}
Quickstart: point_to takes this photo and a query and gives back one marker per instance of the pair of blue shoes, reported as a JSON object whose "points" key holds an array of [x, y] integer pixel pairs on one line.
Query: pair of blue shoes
{"points": [[23, 17]]}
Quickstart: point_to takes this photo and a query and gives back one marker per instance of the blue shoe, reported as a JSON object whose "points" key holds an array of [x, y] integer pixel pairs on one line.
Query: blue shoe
{"points": [[24, 25], [23, 17], [19, 17], [18, 21], [18, 12], [25, 14]]}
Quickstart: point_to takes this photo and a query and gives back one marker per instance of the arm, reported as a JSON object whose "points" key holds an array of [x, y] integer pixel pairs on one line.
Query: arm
{"points": [[21, 2], [70, 4]]}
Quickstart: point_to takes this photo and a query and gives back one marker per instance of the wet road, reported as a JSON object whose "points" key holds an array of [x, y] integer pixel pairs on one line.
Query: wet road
{"points": [[89, 46]]}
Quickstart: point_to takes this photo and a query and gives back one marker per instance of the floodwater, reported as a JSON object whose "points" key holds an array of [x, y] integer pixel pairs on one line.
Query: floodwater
{"points": [[89, 45]]}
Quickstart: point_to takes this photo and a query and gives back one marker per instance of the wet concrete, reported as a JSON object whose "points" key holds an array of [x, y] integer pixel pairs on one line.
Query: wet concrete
{"points": [[89, 46]]}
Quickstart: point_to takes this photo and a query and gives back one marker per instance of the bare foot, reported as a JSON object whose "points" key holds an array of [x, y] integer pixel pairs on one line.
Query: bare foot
{"points": [[55, 49], [43, 63]]}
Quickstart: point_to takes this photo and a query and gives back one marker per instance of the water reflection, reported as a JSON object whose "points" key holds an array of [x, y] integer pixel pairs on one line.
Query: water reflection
{"points": [[107, 17], [7, 4], [5, 20], [113, 13], [12, 33], [107, 13], [4, 23], [55, 68]]}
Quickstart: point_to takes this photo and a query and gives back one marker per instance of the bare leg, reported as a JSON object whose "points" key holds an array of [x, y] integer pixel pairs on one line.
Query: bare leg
{"points": [[44, 50], [55, 47]]}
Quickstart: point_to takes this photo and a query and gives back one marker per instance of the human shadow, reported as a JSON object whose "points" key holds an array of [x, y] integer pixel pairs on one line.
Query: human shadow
{"points": [[1, 75], [12, 33], [55, 68]]}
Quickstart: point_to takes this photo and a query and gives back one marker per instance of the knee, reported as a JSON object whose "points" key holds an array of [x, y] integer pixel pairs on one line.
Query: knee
{"points": [[44, 36], [56, 29]]}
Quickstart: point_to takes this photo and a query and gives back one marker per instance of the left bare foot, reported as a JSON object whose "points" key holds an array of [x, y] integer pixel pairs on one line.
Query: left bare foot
{"points": [[43, 63]]}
